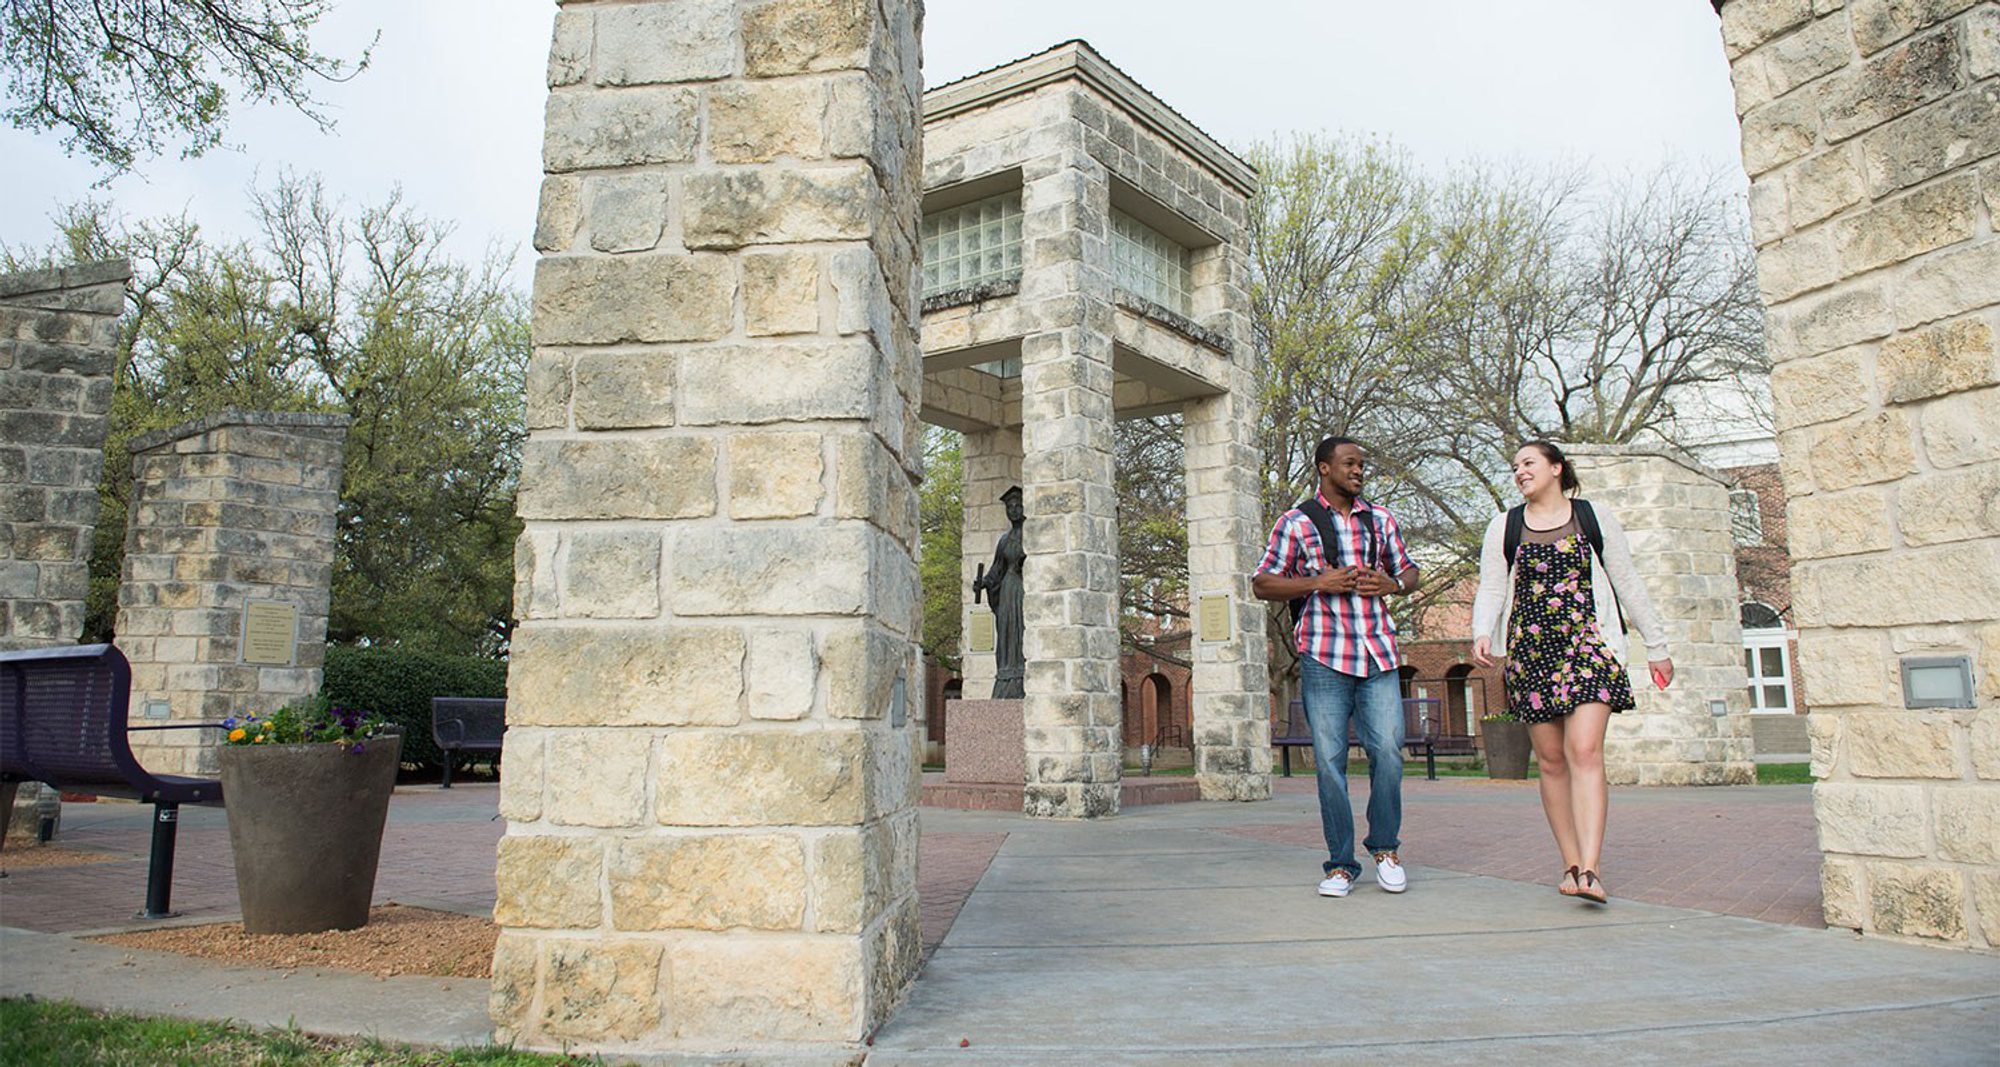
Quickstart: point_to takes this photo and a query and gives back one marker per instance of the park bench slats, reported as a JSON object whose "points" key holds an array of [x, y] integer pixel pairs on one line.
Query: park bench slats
{"points": [[467, 724], [63, 722], [1423, 722]]}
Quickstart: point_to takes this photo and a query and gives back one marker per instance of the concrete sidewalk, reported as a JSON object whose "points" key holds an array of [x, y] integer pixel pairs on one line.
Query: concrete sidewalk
{"points": [[1190, 934], [1167, 937]]}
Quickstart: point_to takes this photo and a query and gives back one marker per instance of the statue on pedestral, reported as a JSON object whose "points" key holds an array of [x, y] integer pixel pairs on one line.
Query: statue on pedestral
{"points": [[1002, 583]]}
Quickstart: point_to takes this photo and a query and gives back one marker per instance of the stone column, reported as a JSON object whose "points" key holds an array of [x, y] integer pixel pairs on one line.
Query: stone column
{"points": [[1871, 133], [229, 547], [1072, 716], [712, 745], [58, 349], [992, 463], [1229, 695], [1676, 514]]}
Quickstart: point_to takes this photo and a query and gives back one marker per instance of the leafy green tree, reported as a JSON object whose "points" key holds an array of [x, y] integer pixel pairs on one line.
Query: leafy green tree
{"points": [[122, 80], [941, 517], [332, 310]]}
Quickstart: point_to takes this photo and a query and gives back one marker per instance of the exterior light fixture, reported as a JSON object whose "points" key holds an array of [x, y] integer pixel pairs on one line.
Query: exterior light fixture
{"points": [[1937, 682]]}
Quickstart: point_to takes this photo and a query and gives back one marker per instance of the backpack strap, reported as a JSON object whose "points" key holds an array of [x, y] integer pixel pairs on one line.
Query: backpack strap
{"points": [[1329, 544], [1517, 521], [1586, 518], [1322, 521]]}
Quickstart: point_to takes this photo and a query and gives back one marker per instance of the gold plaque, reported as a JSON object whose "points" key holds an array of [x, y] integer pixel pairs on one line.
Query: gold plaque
{"points": [[270, 633], [1214, 614], [980, 638]]}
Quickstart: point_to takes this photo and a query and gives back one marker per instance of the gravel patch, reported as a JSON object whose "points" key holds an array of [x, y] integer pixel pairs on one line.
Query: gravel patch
{"points": [[397, 940]]}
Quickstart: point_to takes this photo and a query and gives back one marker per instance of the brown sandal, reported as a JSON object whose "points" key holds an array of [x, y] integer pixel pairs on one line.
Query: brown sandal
{"points": [[1572, 881], [1589, 888]]}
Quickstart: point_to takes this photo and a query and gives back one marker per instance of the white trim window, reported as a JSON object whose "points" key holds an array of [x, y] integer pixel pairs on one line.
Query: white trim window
{"points": [[1149, 264], [1767, 659], [972, 243]]}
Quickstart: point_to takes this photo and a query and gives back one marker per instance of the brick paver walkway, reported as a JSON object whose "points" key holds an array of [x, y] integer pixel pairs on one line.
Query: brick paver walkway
{"points": [[437, 850], [1748, 850]]}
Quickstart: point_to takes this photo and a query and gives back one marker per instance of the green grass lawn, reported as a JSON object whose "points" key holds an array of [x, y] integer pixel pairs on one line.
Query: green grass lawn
{"points": [[1784, 774], [40, 1033]]}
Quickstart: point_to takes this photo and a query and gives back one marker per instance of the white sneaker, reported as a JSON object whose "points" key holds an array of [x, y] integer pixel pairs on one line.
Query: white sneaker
{"points": [[1389, 873], [1336, 885]]}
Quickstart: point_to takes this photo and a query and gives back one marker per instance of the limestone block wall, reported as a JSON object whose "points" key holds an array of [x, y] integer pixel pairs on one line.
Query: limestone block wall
{"points": [[232, 519], [58, 350], [1871, 133], [1676, 515], [714, 699]]}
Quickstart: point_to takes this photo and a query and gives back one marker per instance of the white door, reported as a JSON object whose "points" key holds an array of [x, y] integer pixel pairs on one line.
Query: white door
{"points": [[1767, 659]]}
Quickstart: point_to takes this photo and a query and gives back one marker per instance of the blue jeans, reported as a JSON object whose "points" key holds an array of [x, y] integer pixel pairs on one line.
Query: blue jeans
{"points": [[1376, 705]]}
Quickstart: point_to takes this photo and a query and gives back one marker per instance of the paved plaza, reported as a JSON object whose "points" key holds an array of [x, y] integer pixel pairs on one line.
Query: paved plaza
{"points": [[1191, 933]]}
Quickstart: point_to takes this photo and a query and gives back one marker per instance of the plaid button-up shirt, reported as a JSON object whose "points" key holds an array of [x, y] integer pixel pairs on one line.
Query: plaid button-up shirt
{"points": [[1349, 633]]}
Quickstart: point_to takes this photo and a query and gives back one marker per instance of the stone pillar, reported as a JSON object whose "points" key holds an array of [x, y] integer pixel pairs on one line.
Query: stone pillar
{"points": [[1073, 719], [1871, 133], [1676, 514], [1229, 695], [229, 547], [713, 738], [992, 463], [58, 351]]}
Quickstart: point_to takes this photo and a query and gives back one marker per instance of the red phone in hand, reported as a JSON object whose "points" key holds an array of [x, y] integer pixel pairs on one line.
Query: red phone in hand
{"points": [[1659, 679]]}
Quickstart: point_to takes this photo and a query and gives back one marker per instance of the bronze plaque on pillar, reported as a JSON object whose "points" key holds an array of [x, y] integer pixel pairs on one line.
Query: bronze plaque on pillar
{"points": [[270, 633], [1214, 621], [980, 638]]}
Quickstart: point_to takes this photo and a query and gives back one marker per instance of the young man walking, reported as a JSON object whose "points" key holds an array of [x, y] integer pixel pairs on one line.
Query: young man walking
{"points": [[1337, 558]]}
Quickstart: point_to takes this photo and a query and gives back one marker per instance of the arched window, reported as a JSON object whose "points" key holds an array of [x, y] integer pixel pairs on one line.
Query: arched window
{"points": [[1458, 700], [1760, 616], [1408, 674]]}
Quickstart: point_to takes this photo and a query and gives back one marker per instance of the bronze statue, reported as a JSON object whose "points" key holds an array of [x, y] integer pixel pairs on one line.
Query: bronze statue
{"points": [[1003, 582]]}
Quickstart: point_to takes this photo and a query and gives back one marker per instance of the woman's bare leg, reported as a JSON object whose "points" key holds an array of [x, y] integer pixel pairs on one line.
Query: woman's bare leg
{"points": [[1555, 784], [1590, 797]]}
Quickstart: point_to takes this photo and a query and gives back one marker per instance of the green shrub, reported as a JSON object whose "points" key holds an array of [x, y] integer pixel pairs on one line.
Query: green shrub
{"points": [[399, 686]]}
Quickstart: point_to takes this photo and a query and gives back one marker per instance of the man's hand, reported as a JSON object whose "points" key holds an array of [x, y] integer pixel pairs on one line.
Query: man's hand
{"points": [[1376, 583], [1338, 580]]}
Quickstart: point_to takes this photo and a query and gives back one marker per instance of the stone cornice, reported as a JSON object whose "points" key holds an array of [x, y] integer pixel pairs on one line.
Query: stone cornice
{"points": [[277, 420], [1077, 60]]}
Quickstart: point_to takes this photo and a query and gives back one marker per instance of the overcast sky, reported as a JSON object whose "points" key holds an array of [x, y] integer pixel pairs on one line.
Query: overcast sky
{"points": [[451, 109]]}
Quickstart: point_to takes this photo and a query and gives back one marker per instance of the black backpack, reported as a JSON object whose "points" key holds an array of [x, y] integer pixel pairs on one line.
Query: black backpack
{"points": [[1322, 521], [1586, 519]]}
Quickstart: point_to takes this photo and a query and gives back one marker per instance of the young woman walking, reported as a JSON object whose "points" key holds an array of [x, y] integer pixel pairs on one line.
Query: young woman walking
{"points": [[1556, 586]]}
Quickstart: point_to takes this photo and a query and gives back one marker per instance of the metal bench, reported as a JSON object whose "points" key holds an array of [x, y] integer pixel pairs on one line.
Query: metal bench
{"points": [[1421, 724], [63, 722], [467, 724]]}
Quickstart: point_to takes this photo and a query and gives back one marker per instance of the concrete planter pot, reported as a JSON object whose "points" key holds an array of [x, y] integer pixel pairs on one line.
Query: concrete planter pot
{"points": [[305, 823], [1507, 749]]}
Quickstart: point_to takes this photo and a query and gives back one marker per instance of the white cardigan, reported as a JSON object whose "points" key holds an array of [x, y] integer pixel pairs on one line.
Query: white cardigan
{"points": [[1494, 605]]}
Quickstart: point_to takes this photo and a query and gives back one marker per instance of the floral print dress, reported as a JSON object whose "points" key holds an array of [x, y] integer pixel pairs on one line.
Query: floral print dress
{"points": [[1556, 656]]}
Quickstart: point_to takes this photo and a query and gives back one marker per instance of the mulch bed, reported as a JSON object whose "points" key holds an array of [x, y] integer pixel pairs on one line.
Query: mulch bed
{"points": [[397, 940], [17, 858]]}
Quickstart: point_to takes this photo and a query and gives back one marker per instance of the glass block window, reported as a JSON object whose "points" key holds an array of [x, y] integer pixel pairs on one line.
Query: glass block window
{"points": [[972, 243], [1746, 521], [1149, 264]]}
